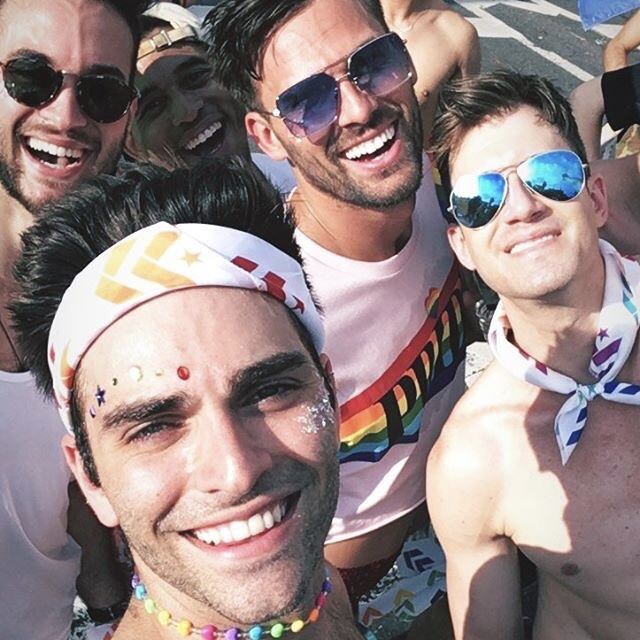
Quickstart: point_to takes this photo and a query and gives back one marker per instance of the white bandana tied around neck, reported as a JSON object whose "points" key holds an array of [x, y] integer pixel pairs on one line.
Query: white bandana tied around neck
{"points": [[617, 330]]}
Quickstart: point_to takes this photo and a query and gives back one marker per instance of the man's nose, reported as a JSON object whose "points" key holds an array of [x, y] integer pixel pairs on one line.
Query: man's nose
{"points": [[185, 107], [63, 112], [227, 457], [521, 204], [356, 106]]}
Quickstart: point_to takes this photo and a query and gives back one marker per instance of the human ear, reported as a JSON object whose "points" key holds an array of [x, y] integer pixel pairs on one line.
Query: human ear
{"points": [[459, 245], [597, 190], [260, 131], [93, 494]]}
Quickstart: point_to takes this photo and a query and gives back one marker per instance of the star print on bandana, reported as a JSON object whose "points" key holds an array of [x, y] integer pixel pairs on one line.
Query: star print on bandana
{"points": [[191, 258], [618, 329]]}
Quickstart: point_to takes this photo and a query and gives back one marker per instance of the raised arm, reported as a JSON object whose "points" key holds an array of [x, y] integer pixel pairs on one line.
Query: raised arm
{"points": [[470, 58], [587, 103], [463, 495], [628, 38]]}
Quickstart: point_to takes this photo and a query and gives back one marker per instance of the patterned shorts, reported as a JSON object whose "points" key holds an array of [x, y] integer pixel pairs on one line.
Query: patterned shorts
{"points": [[415, 581]]}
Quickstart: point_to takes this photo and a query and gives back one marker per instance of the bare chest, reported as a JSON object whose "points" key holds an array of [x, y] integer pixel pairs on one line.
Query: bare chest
{"points": [[580, 524]]}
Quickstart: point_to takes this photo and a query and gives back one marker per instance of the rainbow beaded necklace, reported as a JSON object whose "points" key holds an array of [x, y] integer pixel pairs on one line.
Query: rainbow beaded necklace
{"points": [[210, 632]]}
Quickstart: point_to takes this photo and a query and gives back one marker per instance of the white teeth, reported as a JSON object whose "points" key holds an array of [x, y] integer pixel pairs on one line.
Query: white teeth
{"points": [[203, 136], [522, 246], [53, 149], [239, 530], [371, 146], [256, 524]]}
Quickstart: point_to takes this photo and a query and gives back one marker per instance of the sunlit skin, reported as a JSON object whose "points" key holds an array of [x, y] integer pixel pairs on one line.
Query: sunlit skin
{"points": [[568, 239], [176, 456], [377, 193], [495, 480], [179, 101], [88, 35], [442, 43]]}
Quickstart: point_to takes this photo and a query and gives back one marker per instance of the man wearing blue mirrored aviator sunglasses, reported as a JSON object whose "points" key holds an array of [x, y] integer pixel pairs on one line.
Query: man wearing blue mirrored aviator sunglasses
{"points": [[540, 455], [330, 89]]}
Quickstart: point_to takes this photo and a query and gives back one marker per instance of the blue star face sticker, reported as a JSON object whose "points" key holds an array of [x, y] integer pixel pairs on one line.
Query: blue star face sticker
{"points": [[99, 395]]}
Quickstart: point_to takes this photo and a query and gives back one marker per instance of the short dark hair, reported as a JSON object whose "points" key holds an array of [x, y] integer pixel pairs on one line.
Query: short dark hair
{"points": [[467, 103], [73, 231], [238, 33]]}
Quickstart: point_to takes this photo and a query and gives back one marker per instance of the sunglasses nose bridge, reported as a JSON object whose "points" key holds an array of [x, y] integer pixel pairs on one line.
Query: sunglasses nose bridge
{"points": [[64, 105], [520, 202]]}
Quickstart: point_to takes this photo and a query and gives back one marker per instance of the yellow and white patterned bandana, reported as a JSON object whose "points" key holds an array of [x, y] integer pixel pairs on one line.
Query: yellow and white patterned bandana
{"points": [[162, 258]]}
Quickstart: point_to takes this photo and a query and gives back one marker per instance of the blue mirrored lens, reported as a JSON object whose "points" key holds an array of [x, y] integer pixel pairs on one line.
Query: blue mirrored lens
{"points": [[557, 175], [381, 65], [310, 105], [476, 199]]}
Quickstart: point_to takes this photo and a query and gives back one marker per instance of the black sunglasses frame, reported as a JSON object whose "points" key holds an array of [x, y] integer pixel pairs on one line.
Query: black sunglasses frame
{"points": [[348, 75], [60, 75]]}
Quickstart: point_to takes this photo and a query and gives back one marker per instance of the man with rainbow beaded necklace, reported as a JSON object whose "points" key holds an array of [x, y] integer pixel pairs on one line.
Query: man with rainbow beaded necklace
{"points": [[183, 349]]}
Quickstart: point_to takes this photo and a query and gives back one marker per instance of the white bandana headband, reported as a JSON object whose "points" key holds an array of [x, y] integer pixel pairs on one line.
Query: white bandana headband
{"points": [[617, 330], [162, 258]]}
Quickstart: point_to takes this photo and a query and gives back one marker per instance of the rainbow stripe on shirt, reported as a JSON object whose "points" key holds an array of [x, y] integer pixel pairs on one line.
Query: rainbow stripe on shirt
{"points": [[390, 411]]}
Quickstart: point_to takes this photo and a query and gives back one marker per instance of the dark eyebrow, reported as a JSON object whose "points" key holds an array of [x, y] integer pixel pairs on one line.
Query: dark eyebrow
{"points": [[248, 379], [104, 70], [28, 53], [192, 61], [128, 412], [95, 69]]}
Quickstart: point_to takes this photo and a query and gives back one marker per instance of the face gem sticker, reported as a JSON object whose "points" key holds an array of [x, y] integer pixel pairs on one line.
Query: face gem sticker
{"points": [[183, 373], [135, 373], [92, 412], [99, 395], [114, 381], [159, 373]]}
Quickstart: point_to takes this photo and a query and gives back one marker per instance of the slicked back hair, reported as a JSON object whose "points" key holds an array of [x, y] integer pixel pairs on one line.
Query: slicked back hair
{"points": [[239, 31], [74, 230], [468, 103]]}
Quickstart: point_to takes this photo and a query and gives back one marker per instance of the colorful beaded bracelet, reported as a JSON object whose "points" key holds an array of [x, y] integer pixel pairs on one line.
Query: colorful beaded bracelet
{"points": [[211, 632]]}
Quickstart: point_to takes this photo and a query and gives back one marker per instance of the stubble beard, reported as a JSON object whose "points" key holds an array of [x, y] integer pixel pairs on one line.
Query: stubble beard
{"points": [[11, 177], [251, 599], [330, 177]]}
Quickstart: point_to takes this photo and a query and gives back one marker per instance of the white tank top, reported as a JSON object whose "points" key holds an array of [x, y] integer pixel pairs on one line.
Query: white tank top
{"points": [[39, 560]]}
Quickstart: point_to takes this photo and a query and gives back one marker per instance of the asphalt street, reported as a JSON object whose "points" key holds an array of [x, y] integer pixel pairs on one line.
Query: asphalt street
{"points": [[544, 37]]}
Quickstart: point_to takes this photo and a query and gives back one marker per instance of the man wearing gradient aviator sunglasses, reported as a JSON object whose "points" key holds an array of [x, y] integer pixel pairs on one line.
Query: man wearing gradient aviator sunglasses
{"points": [[329, 89], [64, 107], [541, 453]]}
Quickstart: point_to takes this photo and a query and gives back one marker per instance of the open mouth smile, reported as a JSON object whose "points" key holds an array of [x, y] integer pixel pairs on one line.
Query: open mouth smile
{"points": [[209, 140], [52, 155], [375, 147], [241, 531]]}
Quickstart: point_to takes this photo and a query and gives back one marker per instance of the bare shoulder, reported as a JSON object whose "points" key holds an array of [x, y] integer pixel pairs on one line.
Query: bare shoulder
{"points": [[451, 24], [473, 450]]}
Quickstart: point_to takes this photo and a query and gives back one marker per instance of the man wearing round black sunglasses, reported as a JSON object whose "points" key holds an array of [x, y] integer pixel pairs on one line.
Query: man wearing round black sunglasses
{"points": [[540, 455], [329, 89], [65, 71]]}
